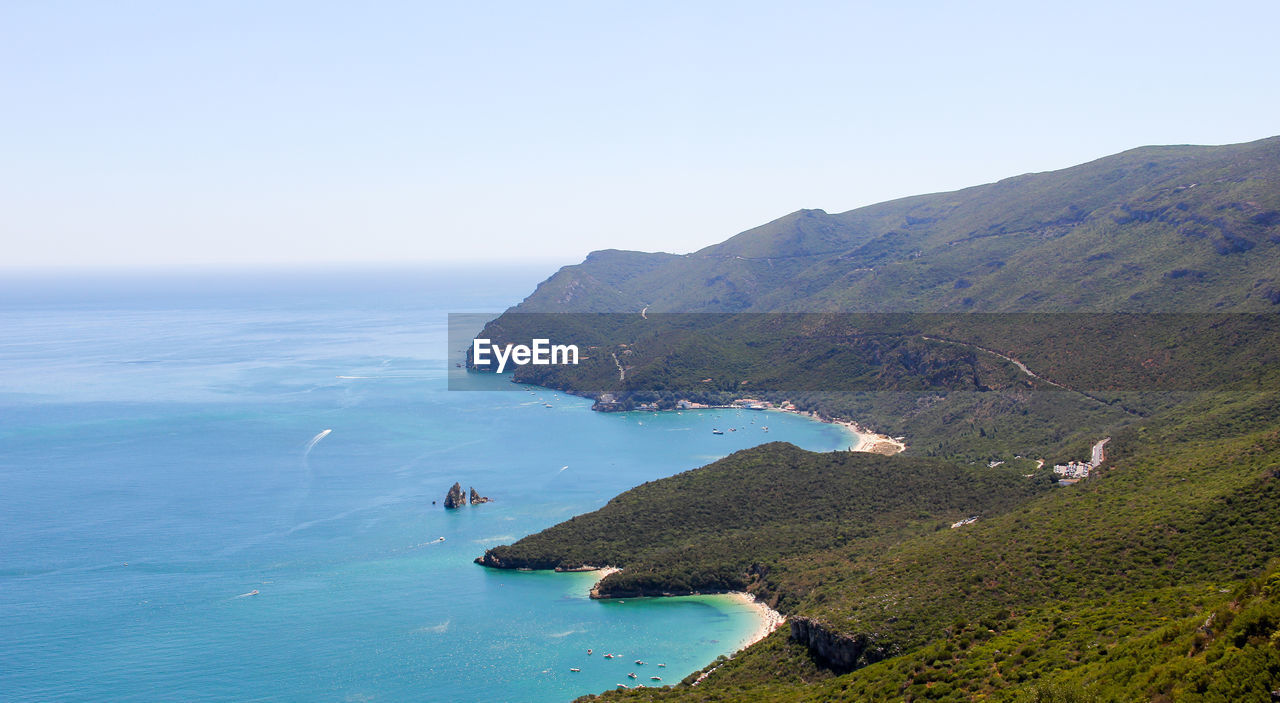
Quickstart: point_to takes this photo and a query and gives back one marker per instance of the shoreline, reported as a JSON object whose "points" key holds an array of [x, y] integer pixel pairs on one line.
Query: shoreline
{"points": [[604, 572], [867, 441], [872, 442], [864, 440], [767, 619]]}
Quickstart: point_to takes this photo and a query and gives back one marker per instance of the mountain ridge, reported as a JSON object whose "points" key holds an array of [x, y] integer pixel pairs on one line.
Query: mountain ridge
{"points": [[1172, 227]]}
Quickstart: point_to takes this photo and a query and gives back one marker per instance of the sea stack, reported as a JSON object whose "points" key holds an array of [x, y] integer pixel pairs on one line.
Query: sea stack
{"points": [[455, 498], [477, 498]]}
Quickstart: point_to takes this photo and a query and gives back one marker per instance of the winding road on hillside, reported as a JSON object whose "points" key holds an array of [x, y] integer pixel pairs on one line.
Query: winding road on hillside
{"points": [[1023, 368]]}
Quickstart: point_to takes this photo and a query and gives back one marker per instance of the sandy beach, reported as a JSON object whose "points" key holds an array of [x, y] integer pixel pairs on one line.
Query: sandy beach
{"points": [[864, 440], [602, 572], [769, 619], [871, 442]]}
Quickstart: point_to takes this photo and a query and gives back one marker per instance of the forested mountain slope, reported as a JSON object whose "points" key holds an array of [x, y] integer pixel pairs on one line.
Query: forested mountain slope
{"points": [[1169, 228], [1153, 579], [1149, 581]]}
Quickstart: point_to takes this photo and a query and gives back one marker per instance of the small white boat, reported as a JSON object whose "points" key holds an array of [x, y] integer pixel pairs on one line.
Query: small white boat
{"points": [[639, 663], [655, 678], [575, 670], [631, 675]]}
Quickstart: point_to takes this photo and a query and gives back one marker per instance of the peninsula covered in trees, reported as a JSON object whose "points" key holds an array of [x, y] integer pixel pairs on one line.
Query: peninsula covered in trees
{"points": [[1131, 299]]}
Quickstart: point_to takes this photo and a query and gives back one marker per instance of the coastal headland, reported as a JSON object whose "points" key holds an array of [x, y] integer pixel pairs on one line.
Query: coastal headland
{"points": [[767, 619], [1122, 311]]}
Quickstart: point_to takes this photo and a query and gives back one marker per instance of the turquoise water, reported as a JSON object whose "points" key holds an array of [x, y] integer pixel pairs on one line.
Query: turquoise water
{"points": [[160, 457]]}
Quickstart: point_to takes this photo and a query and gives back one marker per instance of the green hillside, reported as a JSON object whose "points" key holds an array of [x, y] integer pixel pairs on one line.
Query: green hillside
{"points": [[968, 386], [734, 524], [1099, 589], [1156, 578], [1182, 229], [1170, 228]]}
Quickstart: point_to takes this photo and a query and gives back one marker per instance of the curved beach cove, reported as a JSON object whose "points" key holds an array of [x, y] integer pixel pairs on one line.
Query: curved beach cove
{"points": [[228, 492]]}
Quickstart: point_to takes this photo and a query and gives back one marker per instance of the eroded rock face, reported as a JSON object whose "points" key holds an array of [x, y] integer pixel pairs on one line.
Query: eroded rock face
{"points": [[839, 651], [477, 498], [455, 498], [495, 558]]}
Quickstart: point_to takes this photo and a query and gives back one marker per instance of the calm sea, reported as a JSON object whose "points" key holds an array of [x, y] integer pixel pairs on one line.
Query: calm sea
{"points": [[219, 486]]}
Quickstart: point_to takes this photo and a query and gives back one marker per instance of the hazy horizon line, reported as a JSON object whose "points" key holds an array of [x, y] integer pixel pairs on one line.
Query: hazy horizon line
{"points": [[281, 266]]}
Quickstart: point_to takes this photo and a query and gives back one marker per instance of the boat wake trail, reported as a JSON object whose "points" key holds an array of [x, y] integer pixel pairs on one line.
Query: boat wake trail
{"points": [[442, 627], [314, 441], [305, 490]]}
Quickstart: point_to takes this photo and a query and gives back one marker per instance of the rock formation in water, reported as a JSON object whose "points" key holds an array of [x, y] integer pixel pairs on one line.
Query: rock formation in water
{"points": [[455, 498], [477, 498]]}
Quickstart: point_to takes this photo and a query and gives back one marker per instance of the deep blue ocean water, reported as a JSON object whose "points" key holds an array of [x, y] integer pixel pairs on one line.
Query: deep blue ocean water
{"points": [[161, 456]]}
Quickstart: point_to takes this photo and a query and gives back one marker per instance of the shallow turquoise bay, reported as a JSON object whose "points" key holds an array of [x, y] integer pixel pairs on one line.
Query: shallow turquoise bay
{"points": [[165, 424]]}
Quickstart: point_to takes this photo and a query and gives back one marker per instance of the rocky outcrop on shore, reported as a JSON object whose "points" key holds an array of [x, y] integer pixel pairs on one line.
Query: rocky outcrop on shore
{"points": [[493, 558], [455, 498], [609, 588], [838, 651], [476, 498], [498, 558]]}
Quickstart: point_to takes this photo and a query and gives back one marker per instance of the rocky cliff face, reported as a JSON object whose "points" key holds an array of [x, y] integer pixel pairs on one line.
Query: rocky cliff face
{"points": [[476, 498], [837, 650], [494, 558], [455, 498]]}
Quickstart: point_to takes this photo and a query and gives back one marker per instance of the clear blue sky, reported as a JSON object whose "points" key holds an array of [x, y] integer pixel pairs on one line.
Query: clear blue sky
{"points": [[158, 133]]}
